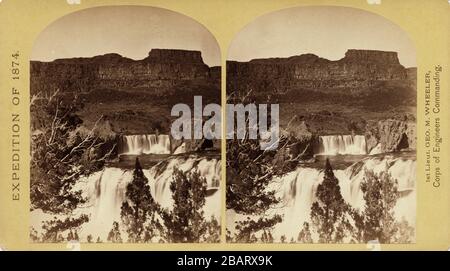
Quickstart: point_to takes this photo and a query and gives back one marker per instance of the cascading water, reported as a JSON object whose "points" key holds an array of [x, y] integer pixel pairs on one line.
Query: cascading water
{"points": [[180, 149], [145, 144], [105, 193], [297, 191], [342, 144], [376, 149]]}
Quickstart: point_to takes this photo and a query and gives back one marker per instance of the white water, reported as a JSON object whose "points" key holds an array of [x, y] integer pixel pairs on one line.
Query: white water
{"points": [[342, 144], [376, 149], [147, 144], [297, 191], [180, 149], [105, 191]]}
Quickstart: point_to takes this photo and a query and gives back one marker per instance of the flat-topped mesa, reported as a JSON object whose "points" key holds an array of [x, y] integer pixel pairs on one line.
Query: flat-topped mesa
{"points": [[300, 59], [111, 58], [174, 56], [358, 70], [161, 69], [372, 56]]}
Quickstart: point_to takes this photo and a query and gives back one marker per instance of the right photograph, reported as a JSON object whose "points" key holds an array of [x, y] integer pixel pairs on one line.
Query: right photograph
{"points": [[338, 89]]}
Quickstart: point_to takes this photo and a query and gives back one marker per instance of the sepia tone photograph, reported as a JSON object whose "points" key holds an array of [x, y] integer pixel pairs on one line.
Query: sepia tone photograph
{"points": [[104, 165], [344, 170]]}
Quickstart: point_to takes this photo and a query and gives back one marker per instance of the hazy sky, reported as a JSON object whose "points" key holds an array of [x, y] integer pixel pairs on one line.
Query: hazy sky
{"points": [[126, 30], [325, 31]]}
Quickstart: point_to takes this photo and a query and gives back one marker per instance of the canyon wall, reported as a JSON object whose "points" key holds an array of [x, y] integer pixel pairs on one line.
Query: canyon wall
{"points": [[163, 68], [359, 69]]}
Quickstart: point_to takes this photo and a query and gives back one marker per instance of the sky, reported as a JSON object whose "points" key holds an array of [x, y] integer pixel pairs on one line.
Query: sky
{"points": [[325, 31], [130, 31]]}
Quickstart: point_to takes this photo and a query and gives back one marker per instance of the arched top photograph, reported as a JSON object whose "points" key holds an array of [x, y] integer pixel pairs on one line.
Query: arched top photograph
{"points": [[104, 164], [344, 80]]}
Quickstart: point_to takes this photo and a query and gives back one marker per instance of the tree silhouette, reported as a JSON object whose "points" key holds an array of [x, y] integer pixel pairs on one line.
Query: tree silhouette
{"points": [[250, 170], [186, 223], [330, 213], [62, 150], [377, 221], [139, 211], [114, 235], [305, 234]]}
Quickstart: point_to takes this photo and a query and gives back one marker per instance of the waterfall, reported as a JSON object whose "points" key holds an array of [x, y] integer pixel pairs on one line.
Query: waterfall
{"points": [[105, 192], [180, 149], [376, 149], [297, 191], [342, 144], [147, 144]]}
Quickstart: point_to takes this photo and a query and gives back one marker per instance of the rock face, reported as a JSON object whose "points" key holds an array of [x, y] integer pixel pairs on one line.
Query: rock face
{"points": [[163, 68], [359, 69], [392, 135], [411, 73], [301, 140], [194, 145], [174, 56]]}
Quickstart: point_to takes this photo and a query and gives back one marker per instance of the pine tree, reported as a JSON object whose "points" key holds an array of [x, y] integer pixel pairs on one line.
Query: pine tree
{"points": [[250, 170], [213, 231], [61, 152], [138, 211], [60, 238], [54, 228], [247, 192], [377, 222], [305, 234], [186, 222], [329, 214], [70, 236], [246, 229], [114, 235]]}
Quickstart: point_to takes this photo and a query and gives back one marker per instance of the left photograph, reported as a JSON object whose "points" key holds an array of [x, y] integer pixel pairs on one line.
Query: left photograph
{"points": [[104, 165]]}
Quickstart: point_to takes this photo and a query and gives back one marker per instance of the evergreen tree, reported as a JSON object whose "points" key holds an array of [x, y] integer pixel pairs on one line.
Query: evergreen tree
{"points": [[305, 234], [377, 222], [250, 170], [60, 238], [114, 235], [270, 237], [62, 150], [70, 236], [213, 231], [138, 211], [186, 222], [53, 229], [266, 236], [330, 213], [246, 229]]}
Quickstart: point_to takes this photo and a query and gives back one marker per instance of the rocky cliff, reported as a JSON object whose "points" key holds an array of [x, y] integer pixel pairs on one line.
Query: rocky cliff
{"points": [[163, 68], [392, 135], [358, 71], [134, 96]]}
